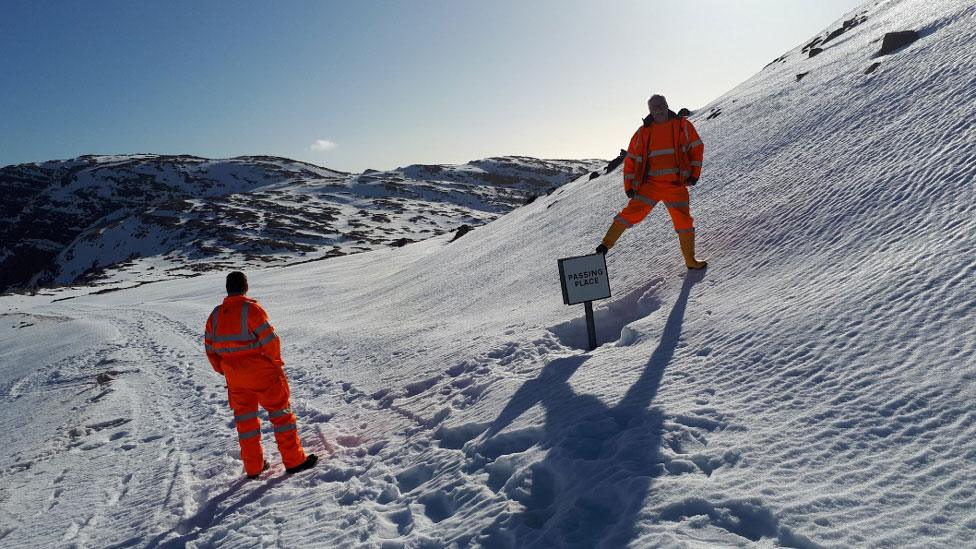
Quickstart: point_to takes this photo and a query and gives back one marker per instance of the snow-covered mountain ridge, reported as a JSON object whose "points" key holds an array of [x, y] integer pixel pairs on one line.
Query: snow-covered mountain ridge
{"points": [[813, 388], [131, 216]]}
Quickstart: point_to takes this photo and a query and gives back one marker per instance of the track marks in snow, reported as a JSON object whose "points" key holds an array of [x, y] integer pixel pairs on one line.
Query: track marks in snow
{"points": [[430, 401], [579, 478], [746, 518], [57, 489], [575, 474], [413, 470]]}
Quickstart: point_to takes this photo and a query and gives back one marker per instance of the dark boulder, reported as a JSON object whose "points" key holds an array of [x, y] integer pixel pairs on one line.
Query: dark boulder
{"points": [[815, 52], [896, 40], [616, 161], [461, 231], [780, 59], [833, 35], [801, 75], [871, 69], [848, 25], [812, 44]]}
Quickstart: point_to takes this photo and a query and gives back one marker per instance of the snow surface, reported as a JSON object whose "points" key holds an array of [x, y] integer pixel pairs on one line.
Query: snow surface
{"points": [[814, 387]]}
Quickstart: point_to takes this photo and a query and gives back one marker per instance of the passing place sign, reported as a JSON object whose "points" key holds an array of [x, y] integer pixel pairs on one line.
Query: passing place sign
{"points": [[584, 278]]}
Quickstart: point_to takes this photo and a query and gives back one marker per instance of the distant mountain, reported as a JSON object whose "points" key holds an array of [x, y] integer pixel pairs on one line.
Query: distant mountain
{"points": [[102, 217]]}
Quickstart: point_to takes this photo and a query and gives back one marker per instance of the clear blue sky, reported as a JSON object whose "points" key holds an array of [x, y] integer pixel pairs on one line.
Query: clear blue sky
{"points": [[352, 85]]}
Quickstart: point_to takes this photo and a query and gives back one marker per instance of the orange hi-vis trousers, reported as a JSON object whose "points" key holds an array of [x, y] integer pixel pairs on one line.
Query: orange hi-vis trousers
{"points": [[675, 197], [268, 387]]}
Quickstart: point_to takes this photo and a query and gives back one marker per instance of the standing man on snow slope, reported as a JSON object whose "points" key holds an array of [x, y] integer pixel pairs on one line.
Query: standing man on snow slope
{"points": [[663, 159], [243, 347]]}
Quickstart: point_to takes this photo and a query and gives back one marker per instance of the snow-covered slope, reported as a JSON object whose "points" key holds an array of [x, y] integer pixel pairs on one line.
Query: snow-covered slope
{"points": [[815, 387], [151, 217]]}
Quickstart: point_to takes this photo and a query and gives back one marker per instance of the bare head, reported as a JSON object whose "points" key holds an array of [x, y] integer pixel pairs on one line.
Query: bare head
{"points": [[658, 107], [236, 283]]}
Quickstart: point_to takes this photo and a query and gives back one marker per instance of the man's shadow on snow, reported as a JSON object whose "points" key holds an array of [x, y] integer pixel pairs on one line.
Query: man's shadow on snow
{"points": [[211, 515], [605, 457]]}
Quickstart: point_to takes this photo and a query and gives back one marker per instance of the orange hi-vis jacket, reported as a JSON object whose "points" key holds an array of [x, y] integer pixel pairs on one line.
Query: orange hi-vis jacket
{"points": [[242, 345], [669, 152], [239, 337]]}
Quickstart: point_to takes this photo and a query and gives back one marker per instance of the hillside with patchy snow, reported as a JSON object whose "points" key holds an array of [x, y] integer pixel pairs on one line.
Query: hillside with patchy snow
{"points": [[815, 387], [111, 219]]}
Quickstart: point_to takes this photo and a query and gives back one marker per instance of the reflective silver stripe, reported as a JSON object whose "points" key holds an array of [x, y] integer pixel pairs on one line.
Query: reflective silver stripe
{"points": [[266, 339], [249, 434], [243, 319], [631, 176], [243, 335], [663, 172], [636, 157], [646, 200], [623, 222], [285, 427], [685, 173], [257, 331], [211, 348], [693, 144], [235, 337], [695, 163], [676, 204], [660, 152], [247, 416], [213, 322], [681, 231], [254, 345], [279, 413]]}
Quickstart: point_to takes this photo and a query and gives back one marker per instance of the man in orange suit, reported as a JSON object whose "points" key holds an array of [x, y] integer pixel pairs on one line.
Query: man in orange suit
{"points": [[243, 347], [664, 158]]}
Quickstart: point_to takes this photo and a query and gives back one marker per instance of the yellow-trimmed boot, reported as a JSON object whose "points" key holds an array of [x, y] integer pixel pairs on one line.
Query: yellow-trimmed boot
{"points": [[687, 241], [613, 233]]}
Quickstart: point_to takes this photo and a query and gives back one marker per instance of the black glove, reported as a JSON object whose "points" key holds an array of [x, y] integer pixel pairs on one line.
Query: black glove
{"points": [[631, 193], [691, 181]]}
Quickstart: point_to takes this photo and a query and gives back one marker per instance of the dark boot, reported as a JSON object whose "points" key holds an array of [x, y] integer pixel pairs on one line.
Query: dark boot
{"points": [[309, 462]]}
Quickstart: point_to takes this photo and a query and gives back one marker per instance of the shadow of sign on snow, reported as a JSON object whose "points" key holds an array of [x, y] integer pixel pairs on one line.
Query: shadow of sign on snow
{"points": [[600, 461], [612, 318]]}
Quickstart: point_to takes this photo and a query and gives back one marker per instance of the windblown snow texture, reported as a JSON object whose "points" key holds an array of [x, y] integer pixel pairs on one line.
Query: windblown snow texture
{"points": [[813, 388]]}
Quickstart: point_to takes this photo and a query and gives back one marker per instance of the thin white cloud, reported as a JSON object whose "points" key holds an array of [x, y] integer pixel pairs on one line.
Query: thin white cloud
{"points": [[323, 145]]}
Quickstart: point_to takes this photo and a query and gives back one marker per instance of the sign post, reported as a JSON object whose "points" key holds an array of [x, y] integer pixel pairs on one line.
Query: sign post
{"points": [[590, 326], [585, 279]]}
